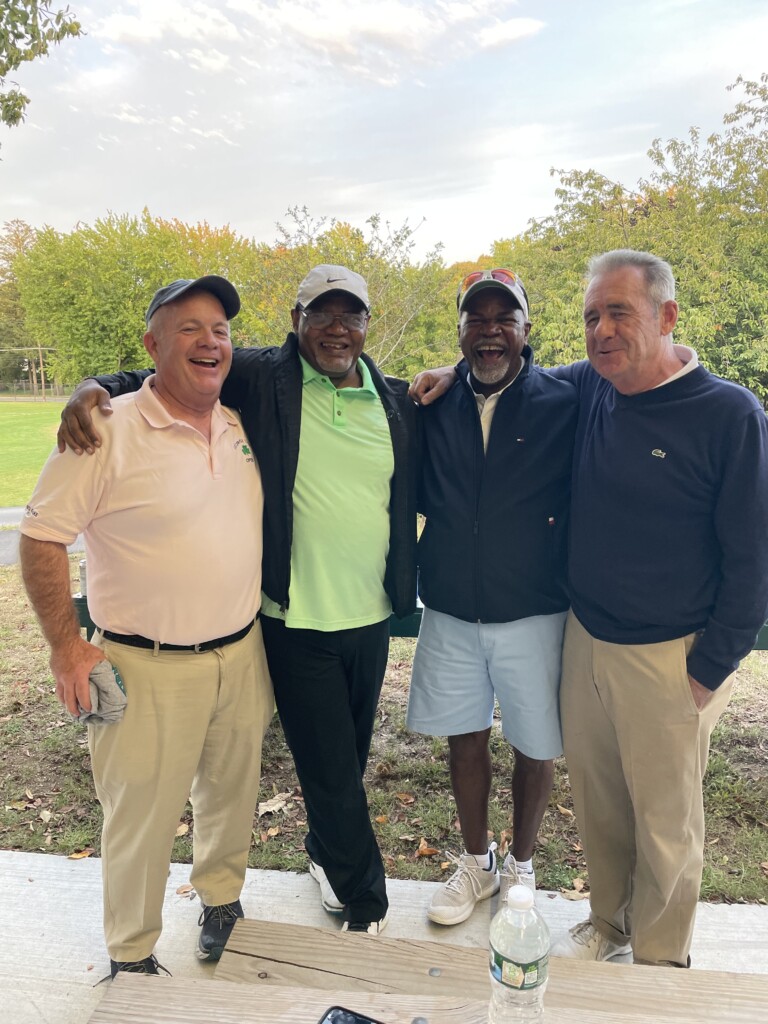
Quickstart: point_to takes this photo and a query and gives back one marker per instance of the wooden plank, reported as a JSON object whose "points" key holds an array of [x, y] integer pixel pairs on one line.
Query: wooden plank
{"points": [[294, 955], [261, 952], [133, 999], [270, 953]]}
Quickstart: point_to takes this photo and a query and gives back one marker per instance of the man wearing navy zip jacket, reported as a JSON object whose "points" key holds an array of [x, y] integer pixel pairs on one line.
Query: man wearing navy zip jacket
{"points": [[336, 443], [669, 584], [492, 576]]}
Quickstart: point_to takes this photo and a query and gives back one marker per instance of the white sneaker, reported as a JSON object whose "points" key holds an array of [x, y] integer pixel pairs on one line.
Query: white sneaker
{"points": [[584, 942], [328, 897], [512, 875], [455, 901], [369, 927]]}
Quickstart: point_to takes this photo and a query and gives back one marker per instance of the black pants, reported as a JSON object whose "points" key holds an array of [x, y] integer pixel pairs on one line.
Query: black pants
{"points": [[327, 687]]}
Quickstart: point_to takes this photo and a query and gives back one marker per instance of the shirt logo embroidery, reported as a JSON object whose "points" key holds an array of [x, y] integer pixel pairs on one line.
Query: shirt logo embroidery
{"points": [[659, 453]]}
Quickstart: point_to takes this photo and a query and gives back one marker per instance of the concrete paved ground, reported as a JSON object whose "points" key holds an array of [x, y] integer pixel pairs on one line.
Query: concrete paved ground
{"points": [[53, 952]]}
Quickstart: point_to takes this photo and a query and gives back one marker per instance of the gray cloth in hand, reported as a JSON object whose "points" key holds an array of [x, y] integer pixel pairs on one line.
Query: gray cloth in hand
{"points": [[107, 696]]}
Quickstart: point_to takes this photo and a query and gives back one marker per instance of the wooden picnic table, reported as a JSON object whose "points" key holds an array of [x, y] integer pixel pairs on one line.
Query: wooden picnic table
{"points": [[299, 972]]}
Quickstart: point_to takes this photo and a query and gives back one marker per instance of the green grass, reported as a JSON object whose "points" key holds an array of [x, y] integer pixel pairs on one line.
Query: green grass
{"points": [[27, 436]]}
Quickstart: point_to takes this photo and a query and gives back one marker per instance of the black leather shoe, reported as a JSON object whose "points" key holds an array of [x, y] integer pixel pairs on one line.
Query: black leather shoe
{"points": [[217, 923], [148, 965]]}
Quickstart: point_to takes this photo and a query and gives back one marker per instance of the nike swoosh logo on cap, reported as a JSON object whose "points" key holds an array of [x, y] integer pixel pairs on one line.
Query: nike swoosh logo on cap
{"points": [[332, 280]]}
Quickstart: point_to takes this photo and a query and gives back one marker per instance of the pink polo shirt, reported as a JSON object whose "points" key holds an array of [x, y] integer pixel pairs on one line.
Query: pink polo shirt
{"points": [[172, 524]]}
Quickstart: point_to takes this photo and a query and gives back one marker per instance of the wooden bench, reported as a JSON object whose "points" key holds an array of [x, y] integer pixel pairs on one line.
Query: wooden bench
{"points": [[274, 973]]}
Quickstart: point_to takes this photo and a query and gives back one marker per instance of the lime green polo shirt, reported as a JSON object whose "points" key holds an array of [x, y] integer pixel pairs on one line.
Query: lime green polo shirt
{"points": [[341, 500]]}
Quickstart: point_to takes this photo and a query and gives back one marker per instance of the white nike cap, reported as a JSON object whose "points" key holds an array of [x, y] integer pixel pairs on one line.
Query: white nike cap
{"points": [[327, 277]]}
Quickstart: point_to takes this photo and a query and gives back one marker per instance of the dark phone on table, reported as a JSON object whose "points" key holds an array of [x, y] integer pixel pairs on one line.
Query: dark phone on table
{"points": [[338, 1015]]}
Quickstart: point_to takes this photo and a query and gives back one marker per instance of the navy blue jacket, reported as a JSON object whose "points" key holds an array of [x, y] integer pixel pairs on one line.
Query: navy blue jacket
{"points": [[494, 548]]}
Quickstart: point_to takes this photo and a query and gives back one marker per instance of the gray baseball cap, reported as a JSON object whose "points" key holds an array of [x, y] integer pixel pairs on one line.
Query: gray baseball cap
{"points": [[225, 292], [327, 277]]}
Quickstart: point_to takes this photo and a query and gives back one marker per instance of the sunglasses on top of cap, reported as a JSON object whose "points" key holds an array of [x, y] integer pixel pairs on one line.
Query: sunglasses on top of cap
{"points": [[500, 274], [320, 319]]}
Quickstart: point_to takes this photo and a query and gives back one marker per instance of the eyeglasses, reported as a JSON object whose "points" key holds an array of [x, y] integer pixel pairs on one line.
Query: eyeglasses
{"points": [[499, 274], [319, 319]]}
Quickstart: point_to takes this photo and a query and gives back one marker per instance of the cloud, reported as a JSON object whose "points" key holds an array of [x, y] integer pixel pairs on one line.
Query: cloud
{"points": [[157, 19], [505, 32], [212, 61], [381, 42]]}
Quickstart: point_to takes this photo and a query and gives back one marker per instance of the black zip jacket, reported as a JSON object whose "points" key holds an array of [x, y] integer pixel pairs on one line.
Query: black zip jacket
{"points": [[264, 385], [494, 548]]}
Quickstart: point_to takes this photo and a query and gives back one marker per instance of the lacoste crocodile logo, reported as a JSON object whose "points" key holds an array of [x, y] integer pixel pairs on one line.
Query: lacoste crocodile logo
{"points": [[659, 453]]}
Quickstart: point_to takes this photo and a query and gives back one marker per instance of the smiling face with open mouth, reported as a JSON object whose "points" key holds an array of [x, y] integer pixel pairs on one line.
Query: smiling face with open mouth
{"points": [[629, 339], [492, 334], [334, 348], [189, 343]]}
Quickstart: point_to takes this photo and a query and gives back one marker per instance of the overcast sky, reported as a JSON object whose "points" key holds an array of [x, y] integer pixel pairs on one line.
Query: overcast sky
{"points": [[449, 112]]}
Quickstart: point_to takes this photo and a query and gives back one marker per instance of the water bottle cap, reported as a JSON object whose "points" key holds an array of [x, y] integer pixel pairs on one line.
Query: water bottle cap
{"points": [[520, 897]]}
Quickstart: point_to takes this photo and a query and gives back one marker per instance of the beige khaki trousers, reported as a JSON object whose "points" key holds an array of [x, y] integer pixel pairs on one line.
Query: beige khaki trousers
{"points": [[636, 748], [193, 728]]}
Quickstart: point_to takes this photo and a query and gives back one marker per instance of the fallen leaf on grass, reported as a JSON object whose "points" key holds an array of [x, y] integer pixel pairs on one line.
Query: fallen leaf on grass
{"points": [[406, 798], [426, 851], [182, 828], [45, 816], [764, 866], [564, 811], [382, 819], [578, 884], [16, 805], [274, 831], [505, 840], [277, 803], [79, 854]]}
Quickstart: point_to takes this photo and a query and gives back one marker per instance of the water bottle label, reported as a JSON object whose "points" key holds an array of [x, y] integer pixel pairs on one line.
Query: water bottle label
{"points": [[517, 975]]}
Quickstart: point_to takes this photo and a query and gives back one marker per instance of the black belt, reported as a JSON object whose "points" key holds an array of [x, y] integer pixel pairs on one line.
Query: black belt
{"points": [[152, 645]]}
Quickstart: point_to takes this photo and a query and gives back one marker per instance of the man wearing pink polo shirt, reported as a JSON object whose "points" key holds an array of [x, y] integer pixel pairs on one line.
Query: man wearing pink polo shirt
{"points": [[174, 568]]}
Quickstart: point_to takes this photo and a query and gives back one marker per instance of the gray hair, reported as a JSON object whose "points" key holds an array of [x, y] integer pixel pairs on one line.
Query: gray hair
{"points": [[659, 279]]}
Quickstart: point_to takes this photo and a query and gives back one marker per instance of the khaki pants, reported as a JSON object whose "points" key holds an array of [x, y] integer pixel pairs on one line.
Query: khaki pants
{"points": [[636, 748], [194, 724]]}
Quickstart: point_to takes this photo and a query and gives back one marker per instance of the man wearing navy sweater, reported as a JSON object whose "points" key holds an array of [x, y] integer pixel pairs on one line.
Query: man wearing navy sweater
{"points": [[669, 586]]}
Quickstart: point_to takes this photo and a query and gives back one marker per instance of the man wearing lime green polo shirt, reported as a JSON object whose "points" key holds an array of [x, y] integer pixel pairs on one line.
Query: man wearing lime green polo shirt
{"points": [[327, 638], [336, 443]]}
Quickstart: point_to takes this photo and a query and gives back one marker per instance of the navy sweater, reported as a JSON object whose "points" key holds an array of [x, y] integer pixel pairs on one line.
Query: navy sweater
{"points": [[669, 516]]}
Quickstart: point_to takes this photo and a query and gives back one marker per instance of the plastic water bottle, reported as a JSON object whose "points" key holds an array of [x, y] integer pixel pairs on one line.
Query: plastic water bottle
{"points": [[519, 960]]}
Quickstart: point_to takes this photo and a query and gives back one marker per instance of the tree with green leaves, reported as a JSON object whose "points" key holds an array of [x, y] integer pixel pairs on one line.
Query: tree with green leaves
{"points": [[17, 348], [704, 208], [28, 29]]}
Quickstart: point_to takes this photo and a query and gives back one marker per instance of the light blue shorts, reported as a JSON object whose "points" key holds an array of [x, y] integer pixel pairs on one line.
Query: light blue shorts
{"points": [[459, 667]]}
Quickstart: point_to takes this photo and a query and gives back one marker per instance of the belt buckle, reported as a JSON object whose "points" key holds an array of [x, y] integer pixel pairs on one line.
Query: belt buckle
{"points": [[197, 649]]}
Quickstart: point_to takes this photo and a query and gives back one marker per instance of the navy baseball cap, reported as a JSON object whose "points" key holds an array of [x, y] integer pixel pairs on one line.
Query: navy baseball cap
{"points": [[225, 292]]}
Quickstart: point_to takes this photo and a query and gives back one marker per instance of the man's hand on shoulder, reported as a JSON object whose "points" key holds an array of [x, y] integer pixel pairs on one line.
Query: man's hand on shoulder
{"points": [[701, 695], [71, 665], [77, 430], [429, 385]]}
